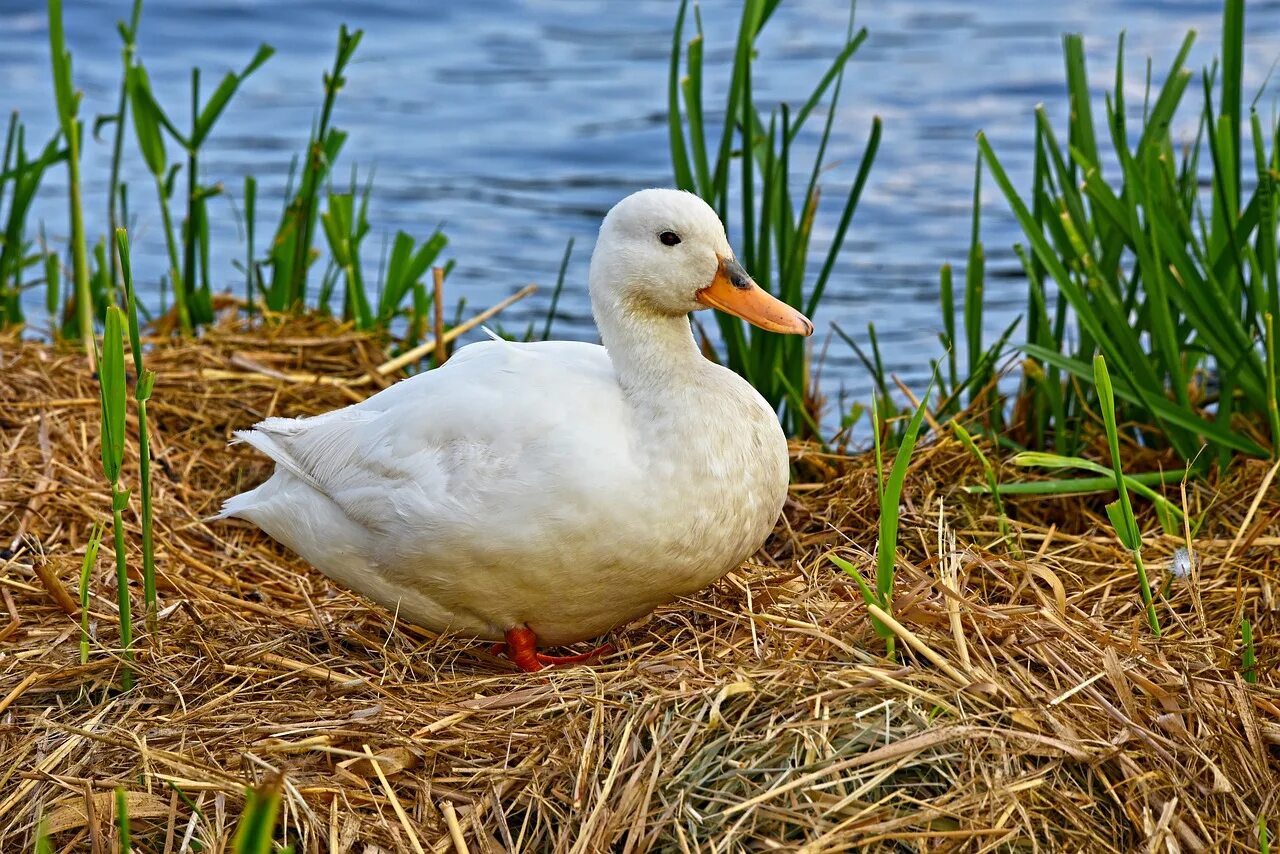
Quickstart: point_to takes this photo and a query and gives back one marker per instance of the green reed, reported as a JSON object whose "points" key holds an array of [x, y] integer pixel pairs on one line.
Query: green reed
{"points": [[256, 829], [115, 213], [52, 282], [112, 390], [889, 495], [195, 228], [86, 575], [1175, 286], [252, 272], [276, 282], [20, 178], [43, 844], [404, 275], [291, 253], [144, 383], [993, 486], [346, 224], [555, 292], [774, 219], [67, 101], [146, 122], [1248, 655], [192, 298], [125, 840], [1120, 511]]}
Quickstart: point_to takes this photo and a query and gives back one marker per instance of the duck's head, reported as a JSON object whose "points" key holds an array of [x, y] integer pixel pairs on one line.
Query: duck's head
{"points": [[665, 252]]}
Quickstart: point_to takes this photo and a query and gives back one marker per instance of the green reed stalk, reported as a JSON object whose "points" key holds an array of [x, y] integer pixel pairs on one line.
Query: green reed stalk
{"points": [[555, 294], [1248, 655], [129, 35], [195, 227], [52, 283], [250, 227], [992, 485], [405, 270], [22, 176], [974, 289], [10, 295], [946, 291], [122, 820], [889, 491], [1273, 409], [192, 302], [291, 255], [112, 390], [86, 574], [190, 231], [1121, 511], [68, 104], [1082, 485], [44, 845], [1169, 513], [258, 821], [148, 119], [1172, 283], [346, 224], [143, 386]]}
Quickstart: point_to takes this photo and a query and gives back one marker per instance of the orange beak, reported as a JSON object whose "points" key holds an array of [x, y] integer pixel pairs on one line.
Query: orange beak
{"points": [[732, 291]]}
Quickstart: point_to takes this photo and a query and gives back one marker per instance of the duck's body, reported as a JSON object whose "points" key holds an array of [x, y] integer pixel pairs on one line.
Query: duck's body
{"points": [[563, 487]]}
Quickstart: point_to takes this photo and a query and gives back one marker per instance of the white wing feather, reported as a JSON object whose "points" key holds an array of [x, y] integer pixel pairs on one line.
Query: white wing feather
{"points": [[417, 450]]}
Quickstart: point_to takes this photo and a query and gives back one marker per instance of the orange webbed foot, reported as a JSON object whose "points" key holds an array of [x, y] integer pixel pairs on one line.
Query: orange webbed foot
{"points": [[521, 647]]}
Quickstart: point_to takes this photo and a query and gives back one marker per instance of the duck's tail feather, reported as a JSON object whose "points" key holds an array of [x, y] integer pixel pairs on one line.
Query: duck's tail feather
{"points": [[268, 437], [236, 505]]}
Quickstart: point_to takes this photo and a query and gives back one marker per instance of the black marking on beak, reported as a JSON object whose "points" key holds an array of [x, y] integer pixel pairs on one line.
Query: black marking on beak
{"points": [[737, 276]]}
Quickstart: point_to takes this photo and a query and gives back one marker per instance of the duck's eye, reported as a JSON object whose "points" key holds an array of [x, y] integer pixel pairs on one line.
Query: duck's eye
{"points": [[669, 238]]}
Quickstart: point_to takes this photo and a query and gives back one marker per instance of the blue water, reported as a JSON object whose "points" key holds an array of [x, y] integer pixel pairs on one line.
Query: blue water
{"points": [[517, 123]]}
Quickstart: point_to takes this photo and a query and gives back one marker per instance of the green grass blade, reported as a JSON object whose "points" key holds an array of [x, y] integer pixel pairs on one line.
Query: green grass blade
{"points": [[691, 86], [1163, 409], [1127, 526], [113, 390], [67, 102], [1082, 485], [675, 127], [122, 821], [990, 473], [257, 824], [889, 502], [1232, 73], [555, 294], [86, 575], [1082, 135], [1169, 512], [846, 215], [222, 95], [868, 595], [1248, 655]]}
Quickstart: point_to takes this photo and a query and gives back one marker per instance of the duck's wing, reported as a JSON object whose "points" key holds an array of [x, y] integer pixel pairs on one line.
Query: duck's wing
{"points": [[447, 446]]}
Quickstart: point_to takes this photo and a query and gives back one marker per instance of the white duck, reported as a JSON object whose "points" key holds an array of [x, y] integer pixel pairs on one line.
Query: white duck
{"points": [[546, 493]]}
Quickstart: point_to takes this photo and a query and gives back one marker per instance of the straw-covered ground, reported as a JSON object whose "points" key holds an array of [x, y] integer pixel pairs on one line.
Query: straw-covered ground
{"points": [[1028, 709]]}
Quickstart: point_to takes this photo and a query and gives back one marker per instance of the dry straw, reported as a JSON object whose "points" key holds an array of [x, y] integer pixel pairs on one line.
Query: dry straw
{"points": [[1030, 705]]}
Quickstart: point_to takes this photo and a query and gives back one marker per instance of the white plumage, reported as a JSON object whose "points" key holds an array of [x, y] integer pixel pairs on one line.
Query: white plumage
{"points": [[562, 486]]}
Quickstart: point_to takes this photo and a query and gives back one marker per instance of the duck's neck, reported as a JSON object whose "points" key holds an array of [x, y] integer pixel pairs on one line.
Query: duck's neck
{"points": [[654, 355]]}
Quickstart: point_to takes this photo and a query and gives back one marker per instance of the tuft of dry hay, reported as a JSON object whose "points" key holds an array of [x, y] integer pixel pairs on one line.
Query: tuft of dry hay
{"points": [[1029, 707]]}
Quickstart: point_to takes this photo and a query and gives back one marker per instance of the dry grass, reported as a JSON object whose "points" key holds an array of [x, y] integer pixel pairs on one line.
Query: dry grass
{"points": [[1029, 709]]}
